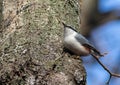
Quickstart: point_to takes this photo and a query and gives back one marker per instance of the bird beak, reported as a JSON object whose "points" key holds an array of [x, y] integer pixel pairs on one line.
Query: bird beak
{"points": [[64, 24]]}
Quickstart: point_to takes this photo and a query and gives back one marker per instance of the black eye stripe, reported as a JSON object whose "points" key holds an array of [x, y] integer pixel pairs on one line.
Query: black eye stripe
{"points": [[71, 28]]}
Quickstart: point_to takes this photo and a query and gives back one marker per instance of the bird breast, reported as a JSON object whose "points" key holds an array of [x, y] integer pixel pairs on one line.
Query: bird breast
{"points": [[74, 46]]}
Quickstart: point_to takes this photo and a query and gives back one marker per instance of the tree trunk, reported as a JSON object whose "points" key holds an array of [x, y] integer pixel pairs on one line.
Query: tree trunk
{"points": [[31, 51]]}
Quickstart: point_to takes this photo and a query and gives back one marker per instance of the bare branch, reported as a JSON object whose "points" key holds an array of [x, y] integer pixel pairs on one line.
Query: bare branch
{"points": [[105, 68]]}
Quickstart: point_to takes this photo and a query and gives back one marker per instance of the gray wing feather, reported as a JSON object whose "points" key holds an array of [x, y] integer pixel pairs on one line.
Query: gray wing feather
{"points": [[82, 39], [86, 43]]}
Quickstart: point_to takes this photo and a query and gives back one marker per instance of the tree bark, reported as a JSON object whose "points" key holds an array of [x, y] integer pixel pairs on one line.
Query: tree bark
{"points": [[31, 51]]}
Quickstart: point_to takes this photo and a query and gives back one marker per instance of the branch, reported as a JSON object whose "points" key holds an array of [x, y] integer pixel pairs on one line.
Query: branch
{"points": [[105, 68]]}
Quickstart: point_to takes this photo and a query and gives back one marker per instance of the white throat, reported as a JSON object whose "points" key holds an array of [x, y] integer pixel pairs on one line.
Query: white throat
{"points": [[69, 32]]}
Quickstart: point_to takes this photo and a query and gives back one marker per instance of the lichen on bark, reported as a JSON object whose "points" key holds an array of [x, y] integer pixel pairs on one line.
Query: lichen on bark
{"points": [[31, 51]]}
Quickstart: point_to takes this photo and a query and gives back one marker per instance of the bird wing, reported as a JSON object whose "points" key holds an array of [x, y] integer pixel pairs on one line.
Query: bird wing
{"points": [[95, 50], [86, 43]]}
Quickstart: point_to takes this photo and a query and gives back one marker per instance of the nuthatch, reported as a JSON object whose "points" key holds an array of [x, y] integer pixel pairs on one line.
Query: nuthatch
{"points": [[78, 44]]}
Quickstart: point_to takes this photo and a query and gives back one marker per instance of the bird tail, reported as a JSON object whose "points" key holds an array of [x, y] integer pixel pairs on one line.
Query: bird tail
{"points": [[97, 54]]}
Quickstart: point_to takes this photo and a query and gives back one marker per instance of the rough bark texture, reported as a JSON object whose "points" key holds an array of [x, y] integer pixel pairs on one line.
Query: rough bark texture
{"points": [[31, 51]]}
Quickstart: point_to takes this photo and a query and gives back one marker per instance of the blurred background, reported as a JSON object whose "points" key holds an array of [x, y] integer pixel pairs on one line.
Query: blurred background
{"points": [[101, 24]]}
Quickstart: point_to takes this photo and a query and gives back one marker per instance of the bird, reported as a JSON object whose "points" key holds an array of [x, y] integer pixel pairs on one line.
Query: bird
{"points": [[77, 43]]}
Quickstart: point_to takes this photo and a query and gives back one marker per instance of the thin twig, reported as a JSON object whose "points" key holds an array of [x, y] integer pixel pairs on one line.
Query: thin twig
{"points": [[105, 68]]}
